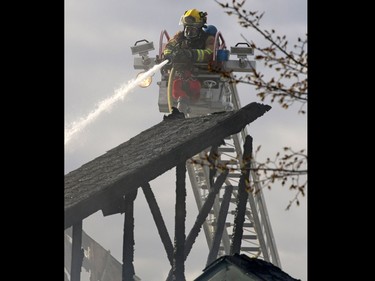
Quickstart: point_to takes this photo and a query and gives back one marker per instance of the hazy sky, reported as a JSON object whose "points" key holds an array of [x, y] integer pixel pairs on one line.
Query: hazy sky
{"points": [[98, 60]]}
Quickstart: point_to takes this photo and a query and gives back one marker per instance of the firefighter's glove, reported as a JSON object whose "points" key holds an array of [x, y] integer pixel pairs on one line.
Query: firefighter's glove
{"points": [[183, 55], [169, 57]]}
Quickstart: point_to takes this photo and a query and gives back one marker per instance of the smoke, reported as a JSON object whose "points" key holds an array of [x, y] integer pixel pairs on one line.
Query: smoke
{"points": [[76, 126]]}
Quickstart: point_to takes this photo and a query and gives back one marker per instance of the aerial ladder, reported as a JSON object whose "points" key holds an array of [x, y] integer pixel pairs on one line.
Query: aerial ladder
{"points": [[219, 93]]}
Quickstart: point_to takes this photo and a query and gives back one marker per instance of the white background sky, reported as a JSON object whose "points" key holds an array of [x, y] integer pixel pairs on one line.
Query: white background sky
{"points": [[98, 59]]}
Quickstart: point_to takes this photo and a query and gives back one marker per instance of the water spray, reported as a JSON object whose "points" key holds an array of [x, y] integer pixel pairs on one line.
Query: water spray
{"points": [[120, 93]]}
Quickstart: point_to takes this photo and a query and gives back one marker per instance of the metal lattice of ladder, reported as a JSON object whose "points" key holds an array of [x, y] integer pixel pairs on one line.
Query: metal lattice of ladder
{"points": [[257, 240]]}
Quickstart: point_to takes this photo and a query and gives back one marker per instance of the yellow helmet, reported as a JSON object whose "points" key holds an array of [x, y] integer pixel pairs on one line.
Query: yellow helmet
{"points": [[194, 17]]}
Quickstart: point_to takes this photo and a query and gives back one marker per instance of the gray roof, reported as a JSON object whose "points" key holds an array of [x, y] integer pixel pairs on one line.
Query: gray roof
{"points": [[101, 183], [255, 268]]}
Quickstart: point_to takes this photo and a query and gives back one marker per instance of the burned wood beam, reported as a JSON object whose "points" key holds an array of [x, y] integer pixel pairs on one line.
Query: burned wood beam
{"points": [[242, 196], [201, 217], [212, 255], [159, 222], [77, 252], [128, 240], [116, 205], [178, 267]]}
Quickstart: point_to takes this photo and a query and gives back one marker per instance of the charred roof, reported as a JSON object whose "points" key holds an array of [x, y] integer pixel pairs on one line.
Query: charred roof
{"points": [[101, 183]]}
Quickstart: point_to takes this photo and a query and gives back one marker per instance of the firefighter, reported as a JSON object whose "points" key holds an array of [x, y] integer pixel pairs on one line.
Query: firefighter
{"points": [[191, 45]]}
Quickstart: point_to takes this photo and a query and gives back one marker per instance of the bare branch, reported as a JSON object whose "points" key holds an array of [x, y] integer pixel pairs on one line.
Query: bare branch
{"points": [[290, 66]]}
